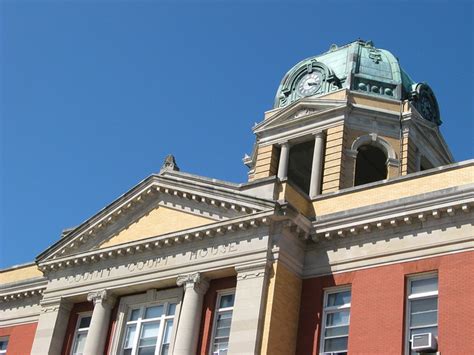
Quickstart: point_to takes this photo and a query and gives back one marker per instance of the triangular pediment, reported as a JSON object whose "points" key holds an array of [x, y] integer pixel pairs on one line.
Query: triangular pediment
{"points": [[158, 221], [159, 205], [298, 112]]}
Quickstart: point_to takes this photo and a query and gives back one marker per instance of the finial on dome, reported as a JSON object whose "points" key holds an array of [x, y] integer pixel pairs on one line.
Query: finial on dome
{"points": [[169, 164]]}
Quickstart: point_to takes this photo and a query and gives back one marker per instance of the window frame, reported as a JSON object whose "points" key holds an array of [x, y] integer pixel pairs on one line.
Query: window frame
{"points": [[217, 310], [425, 295], [3, 338], [80, 316], [334, 309], [149, 298]]}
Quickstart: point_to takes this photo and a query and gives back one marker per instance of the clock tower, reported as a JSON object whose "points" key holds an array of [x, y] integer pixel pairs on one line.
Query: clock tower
{"points": [[348, 117]]}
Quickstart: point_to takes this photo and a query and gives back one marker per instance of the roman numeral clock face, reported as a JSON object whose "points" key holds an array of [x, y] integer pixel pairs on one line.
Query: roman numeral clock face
{"points": [[309, 84]]}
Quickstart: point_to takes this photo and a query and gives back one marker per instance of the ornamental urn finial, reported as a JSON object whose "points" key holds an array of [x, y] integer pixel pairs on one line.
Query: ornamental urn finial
{"points": [[169, 164]]}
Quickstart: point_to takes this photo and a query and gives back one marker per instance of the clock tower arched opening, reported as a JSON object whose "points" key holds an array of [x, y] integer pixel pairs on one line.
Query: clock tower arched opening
{"points": [[370, 165]]}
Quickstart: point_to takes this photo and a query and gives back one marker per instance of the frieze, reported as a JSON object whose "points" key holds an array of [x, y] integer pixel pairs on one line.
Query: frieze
{"points": [[203, 253], [131, 267]]}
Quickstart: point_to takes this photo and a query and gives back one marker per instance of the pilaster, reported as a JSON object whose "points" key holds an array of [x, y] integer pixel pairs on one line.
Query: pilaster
{"points": [[247, 318], [51, 327]]}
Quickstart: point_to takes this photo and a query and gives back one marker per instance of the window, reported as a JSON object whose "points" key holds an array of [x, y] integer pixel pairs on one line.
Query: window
{"points": [[336, 317], [148, 329], [222, 322], [3, 345], [80, 334], [422, 307], [146, 322]]}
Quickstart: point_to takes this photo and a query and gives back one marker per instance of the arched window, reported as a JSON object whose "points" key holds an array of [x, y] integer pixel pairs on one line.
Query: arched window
{"points": [[370, 165]]}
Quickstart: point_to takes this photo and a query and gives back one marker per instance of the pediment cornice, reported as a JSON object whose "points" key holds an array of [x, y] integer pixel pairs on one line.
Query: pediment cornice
{"points": [[223, 200], [299, 112], [216, 230]]}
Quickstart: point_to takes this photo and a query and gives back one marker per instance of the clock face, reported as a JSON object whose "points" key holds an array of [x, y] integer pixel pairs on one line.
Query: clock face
{"points": [[426, 103], [309, 84]]}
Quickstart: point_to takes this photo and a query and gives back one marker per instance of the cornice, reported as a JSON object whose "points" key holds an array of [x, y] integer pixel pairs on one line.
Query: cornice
{"points": [[215, 230], [391, 219], [112, 213], [21, 290]]}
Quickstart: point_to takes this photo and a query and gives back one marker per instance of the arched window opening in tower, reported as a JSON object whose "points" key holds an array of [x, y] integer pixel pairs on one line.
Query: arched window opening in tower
{"points": [[299, 165], [370, 165]]}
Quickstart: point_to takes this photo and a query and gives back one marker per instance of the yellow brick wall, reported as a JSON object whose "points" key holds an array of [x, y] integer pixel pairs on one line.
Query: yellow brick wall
{"points": [[19, 274], [266, 163], [159, 221], [388, 192], [282, 312], [288, 193], [333, 171], [408, 156]]}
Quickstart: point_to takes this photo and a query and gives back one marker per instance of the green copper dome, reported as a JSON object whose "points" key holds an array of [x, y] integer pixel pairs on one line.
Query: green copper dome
{"points": [[357, 66]]}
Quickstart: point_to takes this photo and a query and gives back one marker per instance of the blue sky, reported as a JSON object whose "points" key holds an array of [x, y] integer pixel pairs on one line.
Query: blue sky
{"points": [[94, 94]]}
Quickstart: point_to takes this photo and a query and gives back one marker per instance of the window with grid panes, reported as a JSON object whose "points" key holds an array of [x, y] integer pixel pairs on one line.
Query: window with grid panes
{"points": [[222, 322], [422, 307], [336, 319], [80, 335], [148, 329]]}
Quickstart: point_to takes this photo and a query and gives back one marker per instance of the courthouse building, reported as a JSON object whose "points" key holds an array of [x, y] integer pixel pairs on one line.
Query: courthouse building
{"points": [[353, 234]]}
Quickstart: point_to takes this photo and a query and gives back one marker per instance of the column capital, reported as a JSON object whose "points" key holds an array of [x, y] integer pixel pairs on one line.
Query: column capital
{"points": [[195, 281], [319, 134], [253, 270], [103, 297], [55, 305], [285, 143]]}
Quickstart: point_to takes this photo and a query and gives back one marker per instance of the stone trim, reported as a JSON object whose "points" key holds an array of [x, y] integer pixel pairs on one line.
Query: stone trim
{"points": [[187, 236], [195, 280], [103, 297], [21, 294], [390, 222], [251, 271], [150, 187]]}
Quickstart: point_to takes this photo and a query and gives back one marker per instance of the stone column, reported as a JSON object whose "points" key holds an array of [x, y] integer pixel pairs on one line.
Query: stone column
{"points": [[97, 334], [187, 334], [51, 327], [284, 158], [249, 308], [317, 167]]}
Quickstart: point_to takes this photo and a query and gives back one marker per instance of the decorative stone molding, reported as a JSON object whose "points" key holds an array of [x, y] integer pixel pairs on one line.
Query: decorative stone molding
{"points": [[94, 227], [374, 139], [169, 164], [251, 271], [49, 306], [214, 231], [194, 280], [390, 222], [103, 296], [20, 295]]}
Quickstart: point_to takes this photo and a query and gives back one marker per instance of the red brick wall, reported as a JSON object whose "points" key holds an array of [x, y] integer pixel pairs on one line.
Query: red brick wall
{"points": [[20, 338], [378, 306], [209, 304]]}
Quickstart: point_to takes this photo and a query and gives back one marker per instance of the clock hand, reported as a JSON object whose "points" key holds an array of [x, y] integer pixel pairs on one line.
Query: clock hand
{"points": [[312, 83]]}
